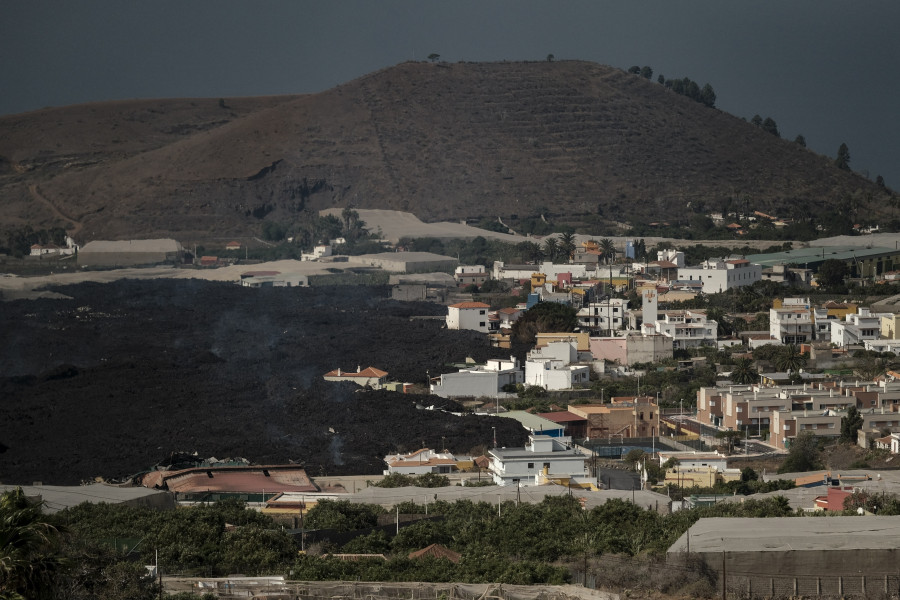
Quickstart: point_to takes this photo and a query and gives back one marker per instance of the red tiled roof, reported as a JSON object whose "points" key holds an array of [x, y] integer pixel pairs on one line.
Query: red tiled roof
{"points": [[372, 372], [437, 551], [470, 305], [509, 310], [561, 417], [367, 372], [664, 264]]}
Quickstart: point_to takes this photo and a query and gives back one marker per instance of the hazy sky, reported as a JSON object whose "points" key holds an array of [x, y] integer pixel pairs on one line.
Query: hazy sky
{"points": [[821, 68]]}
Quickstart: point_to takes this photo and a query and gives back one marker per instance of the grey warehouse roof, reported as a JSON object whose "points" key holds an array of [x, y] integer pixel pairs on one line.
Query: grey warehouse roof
{"points": [[791, 534], [158, 245], [490, 494], [816, 256], [60, 497]]}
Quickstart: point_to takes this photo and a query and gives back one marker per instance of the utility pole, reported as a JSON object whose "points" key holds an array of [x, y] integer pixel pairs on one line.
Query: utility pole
{"points": [[724, 576], [159, 574]]}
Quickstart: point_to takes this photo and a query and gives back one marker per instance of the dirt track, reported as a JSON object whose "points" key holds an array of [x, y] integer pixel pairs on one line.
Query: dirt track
{"points": [[117, 376]]}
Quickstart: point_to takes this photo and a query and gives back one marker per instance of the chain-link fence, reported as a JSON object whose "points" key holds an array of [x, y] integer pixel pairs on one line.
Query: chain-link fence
{"points": [[273, 588]]}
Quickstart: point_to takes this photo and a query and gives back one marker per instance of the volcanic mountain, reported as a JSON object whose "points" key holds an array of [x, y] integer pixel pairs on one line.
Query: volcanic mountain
{"points": [[443, 141]]}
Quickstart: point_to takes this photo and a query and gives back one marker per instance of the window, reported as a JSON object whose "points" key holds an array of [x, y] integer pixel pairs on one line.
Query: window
{"points": [[480, 312], [481, 324], [530, 465]]}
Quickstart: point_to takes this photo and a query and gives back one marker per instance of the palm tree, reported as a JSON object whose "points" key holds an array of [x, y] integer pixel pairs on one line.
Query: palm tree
{"points": [[551, 249], [531, 252], [29, 548], [744, 372], [567, 245], [609, 250], [789, 359], [718, 315]]}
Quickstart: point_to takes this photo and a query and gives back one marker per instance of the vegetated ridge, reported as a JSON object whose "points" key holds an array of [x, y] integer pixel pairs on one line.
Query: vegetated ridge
{"points": [[443, 141]]}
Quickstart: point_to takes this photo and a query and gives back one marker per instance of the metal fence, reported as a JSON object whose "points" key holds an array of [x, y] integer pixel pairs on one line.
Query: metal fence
{"points": [[823, 586]]}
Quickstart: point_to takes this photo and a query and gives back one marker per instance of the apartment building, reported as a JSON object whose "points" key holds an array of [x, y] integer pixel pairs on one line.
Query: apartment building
{"points": [[687, 328], [722, 275]]}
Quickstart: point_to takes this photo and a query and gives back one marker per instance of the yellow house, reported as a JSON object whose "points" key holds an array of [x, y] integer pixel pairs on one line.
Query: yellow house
{"points": [[890, 327], [626, 417], [704, 477], [839, 310], [538, 280], [583, 339]]}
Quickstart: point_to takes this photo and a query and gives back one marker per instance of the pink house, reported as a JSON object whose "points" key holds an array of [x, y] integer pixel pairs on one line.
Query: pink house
{"points": [[613, 349]]}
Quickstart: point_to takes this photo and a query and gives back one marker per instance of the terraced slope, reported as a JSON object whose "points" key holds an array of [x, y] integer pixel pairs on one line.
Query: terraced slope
{"points": [[443, 141]]}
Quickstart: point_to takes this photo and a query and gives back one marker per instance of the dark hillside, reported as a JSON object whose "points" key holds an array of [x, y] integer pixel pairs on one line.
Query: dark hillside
{"points": [[123, 374], [443, 141]]}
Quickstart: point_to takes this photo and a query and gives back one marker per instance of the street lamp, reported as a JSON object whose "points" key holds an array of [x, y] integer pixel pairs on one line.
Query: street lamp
{"points": [[494, 430]]}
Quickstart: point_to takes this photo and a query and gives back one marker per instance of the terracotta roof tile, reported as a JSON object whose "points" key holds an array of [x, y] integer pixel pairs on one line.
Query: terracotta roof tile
{"points": [[437, 551], [470, 305], [365, 373]]}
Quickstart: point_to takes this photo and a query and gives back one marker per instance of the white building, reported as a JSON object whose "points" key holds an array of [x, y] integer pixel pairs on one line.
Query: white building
{"points": [[320, 251], [691, 460], [882, 345], [856, 328], [542, 459], [603, 316], [673, 256], [551, 270], [470, 274], [722, 275], [420, 462], [687, 328], [550, 367], [792, 323], [480, 380], [468, 315], [70, 248], [370, 376]]}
